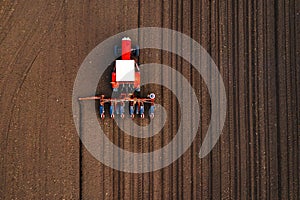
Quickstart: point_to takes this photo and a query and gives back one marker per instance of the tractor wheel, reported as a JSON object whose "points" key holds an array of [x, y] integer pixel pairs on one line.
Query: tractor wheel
{"points": [[136, 51], [117, 51]]}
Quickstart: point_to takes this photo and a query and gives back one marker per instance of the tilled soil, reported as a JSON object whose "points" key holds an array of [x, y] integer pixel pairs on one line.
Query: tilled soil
{"points": [[256, 46]]}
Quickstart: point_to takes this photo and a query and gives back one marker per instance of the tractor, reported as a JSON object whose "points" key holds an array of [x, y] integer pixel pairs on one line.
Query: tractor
{"points": [[125, 83]]}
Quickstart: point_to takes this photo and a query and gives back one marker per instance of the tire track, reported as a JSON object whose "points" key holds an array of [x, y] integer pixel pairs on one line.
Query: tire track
{"points": [[28, 68], [22, 80]]}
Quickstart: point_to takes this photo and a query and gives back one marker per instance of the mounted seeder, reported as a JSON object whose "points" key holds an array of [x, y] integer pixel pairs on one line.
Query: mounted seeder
{"points": [[125, 82]]}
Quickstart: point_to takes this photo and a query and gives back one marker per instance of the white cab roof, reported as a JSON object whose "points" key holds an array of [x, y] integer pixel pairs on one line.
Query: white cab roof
{"points": [[125, 70]]}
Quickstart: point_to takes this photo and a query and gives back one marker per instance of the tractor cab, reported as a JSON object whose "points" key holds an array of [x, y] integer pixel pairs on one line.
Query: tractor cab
{"points": [[126, 76]]}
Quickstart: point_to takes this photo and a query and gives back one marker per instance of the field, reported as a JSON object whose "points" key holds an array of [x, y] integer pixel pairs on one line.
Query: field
{"points": [[256, 46]]}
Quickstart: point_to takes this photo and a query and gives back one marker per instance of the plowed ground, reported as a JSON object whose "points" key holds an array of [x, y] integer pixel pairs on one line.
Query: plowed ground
{"points": [[256, 46]]}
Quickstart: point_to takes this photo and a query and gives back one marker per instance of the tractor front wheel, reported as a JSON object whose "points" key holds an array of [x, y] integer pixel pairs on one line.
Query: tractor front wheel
{"points": [[117, 50], [136, 52]]}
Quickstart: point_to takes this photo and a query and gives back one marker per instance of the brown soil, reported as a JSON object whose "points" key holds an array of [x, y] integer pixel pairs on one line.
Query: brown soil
{"points": [[256, 46]]}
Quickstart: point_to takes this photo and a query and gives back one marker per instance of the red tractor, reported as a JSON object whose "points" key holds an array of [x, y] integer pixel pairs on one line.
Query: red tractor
{"points": [[125, 82]]}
